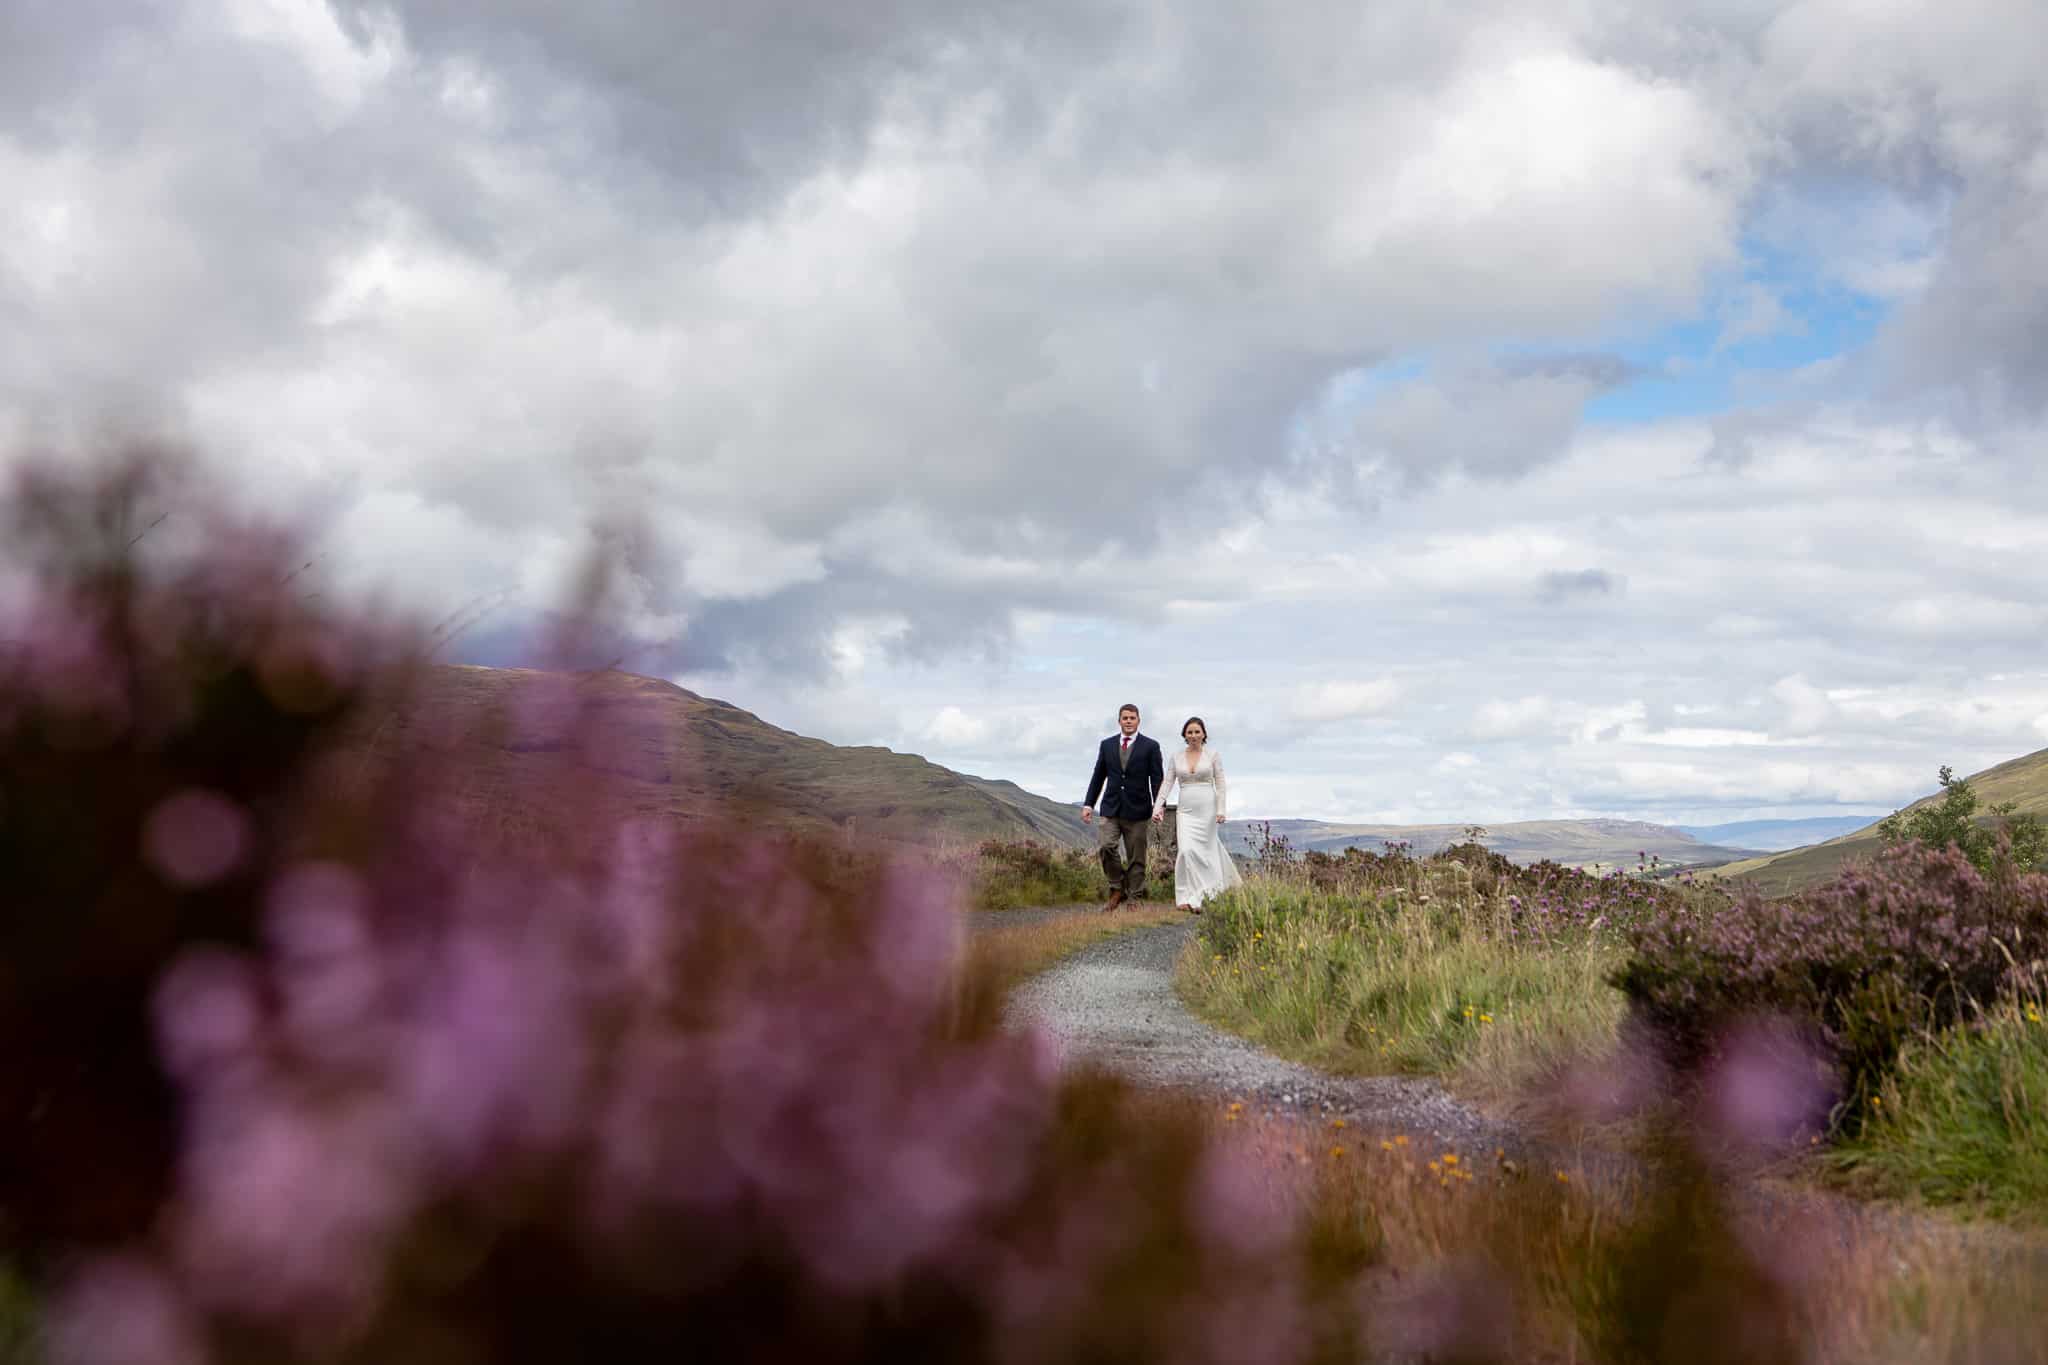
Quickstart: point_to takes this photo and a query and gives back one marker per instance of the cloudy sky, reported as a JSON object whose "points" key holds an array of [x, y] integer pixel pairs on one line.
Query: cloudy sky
{"points": [[1477, 411]]}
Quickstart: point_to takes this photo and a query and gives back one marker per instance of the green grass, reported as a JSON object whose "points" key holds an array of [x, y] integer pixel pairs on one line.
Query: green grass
{"points": [[1419, 979], [1007, 874], [1963, 1121]]}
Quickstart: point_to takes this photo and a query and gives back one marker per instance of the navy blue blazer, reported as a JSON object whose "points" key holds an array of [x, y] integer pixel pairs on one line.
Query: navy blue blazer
{"points": [[1127, 789]]}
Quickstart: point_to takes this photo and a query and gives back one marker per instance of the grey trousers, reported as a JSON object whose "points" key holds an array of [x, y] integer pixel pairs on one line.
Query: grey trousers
{"points": [[1126, 872]]}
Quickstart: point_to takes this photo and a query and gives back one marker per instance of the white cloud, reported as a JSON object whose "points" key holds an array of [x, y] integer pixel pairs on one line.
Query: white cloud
{"points": [[1520, 718], [1332, 701], [955, 728]]}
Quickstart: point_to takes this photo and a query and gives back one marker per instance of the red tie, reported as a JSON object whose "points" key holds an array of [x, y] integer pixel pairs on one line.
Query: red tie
{"points": [[1127, 744]]}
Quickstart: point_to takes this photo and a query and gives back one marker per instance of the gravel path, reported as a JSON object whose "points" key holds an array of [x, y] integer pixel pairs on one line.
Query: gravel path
{"points": [[980, 921], [1114, 1004]]}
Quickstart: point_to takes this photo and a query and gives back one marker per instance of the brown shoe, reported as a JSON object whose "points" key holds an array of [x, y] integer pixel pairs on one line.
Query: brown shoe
{"points": [[1116, 898]]}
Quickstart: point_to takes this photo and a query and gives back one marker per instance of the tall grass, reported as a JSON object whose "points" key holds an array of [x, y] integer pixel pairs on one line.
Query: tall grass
{"points": [[1962, 1120], [1005, 874], [1463, 967]]}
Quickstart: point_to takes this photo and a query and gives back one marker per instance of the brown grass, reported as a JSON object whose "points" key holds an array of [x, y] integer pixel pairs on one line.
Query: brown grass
{"points": [[1002, 956]]}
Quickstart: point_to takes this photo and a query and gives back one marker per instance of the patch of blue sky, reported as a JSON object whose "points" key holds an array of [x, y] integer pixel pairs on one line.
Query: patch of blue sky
{"points": [[1767, 330], [1809, 296]]}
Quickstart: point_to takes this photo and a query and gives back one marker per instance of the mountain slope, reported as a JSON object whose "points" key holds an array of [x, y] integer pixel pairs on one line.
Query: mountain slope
{"points": [[1578, 842], [663, 751], [2022, 780]]}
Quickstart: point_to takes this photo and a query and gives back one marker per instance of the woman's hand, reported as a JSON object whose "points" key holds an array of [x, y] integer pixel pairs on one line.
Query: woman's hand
{"points": [[1219, 817]]}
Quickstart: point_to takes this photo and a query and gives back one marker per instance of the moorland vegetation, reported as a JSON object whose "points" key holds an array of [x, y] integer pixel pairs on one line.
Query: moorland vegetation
{"points": [[305, 1062], [1901, 1002]]}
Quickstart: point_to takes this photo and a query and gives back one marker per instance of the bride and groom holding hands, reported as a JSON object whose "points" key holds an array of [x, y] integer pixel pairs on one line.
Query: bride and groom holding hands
{"points": [[1135, 784]]}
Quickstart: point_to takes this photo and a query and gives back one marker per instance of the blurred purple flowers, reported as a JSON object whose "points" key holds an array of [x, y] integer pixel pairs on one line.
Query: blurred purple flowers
{"points": [[304, 1061]]}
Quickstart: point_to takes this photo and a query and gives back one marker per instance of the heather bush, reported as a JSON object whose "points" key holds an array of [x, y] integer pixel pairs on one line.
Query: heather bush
{"points": [[166, 696], [1015, 872], [301, 1067], [1915, 941]]}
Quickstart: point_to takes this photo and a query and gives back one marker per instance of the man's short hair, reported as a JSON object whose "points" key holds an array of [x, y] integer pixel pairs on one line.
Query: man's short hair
{"points": [[1131, 707]]}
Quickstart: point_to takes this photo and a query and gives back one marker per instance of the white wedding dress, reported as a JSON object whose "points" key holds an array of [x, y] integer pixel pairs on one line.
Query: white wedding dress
{"points": [[1202, 868]]}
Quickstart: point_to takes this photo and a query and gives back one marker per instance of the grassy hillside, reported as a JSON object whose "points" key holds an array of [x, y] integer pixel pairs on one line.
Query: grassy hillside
{"points": [[2023, 781], [1572, 842], [664, 751]]}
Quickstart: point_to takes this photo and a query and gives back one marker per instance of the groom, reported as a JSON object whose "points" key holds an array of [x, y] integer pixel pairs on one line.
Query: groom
{"points": [[1128, 775]]}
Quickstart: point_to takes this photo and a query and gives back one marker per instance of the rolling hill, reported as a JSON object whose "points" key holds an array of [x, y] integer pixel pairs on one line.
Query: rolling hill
{"points": [[1574, 842], [660, 750], [2023, 781]]}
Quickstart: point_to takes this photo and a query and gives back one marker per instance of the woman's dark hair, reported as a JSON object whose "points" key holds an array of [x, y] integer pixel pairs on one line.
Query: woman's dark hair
{"points": [[1194, 720]]}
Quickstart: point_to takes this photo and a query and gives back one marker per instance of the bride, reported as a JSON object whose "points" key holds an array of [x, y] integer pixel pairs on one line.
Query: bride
{"points": [[1203, 866]]}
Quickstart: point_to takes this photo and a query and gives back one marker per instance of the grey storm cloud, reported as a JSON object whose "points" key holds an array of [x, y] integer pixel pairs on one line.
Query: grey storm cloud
{"points": [[906, 310], [1564, 586], [1495, 420]]}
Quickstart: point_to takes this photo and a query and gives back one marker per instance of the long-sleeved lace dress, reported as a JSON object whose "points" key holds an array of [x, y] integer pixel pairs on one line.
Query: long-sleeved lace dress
{"points": [[1203, 866]]}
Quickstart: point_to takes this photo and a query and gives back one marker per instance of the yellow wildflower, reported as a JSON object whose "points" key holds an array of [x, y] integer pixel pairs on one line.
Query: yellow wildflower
{"points": [[1336, 1151], [1485, 1018], [1337, 1123], [1450, 1158], [1386, 1146], [1401, 1141], [1563, 1179]]}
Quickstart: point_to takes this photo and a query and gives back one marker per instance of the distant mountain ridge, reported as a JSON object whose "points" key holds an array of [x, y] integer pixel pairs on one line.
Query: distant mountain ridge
{"points": [[1575, 842], [664, 751], [1775, 836]]}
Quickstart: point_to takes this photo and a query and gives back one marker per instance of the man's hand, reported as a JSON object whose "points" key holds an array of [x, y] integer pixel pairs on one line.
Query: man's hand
{"points": [[1219, 819], [1087, 815]]}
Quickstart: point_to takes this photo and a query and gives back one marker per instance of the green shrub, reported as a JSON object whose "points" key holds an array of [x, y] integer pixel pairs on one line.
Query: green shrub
{"points": [[1015, 872], [1953, 821]]}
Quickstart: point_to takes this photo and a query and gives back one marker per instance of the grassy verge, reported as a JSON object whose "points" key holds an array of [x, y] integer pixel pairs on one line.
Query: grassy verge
{"points": [[1004, 875], [1001, 956], [1418, 968], [1962, 1121]]}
